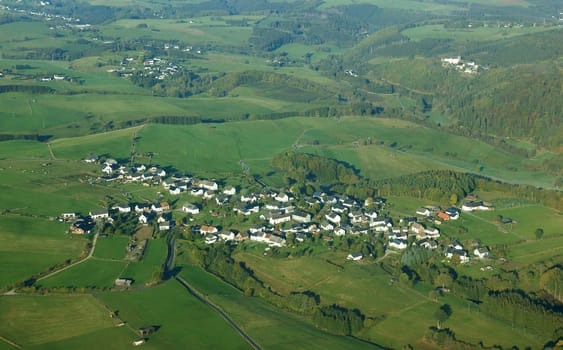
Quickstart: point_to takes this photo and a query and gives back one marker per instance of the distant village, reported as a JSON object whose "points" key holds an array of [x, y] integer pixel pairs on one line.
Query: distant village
{"points": [[461, 65], [277, 212]]}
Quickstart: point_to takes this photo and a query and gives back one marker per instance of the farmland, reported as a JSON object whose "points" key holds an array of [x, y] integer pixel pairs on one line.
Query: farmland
{"points": [[124, 124], [31, 246]]}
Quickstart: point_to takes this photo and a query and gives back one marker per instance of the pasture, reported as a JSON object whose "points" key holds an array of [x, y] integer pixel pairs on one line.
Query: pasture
{"points": [[145, 270], [380, 148], [39, 321], [112, 247], [91, 273], [29, 246], [186, 320], [37, 187], [271, 327], [438, 31]]}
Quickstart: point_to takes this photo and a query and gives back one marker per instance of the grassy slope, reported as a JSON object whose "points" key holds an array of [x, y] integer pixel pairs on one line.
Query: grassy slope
{"points": [[34, 320], [183, 321], [272, 328], [30, 246]]}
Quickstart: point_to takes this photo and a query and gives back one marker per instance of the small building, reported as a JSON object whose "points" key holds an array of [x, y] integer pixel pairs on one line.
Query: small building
{"points": [[356, 256], [99, 214], [123, 282], [190, 208], [482, 252]]}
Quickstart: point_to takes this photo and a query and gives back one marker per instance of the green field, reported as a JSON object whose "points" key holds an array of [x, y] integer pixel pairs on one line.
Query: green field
{"points": [[89, 274], [438, 31], [184, 321], [30, 246], [272, 328], [112, 247], [144, 271], [41, 321]]}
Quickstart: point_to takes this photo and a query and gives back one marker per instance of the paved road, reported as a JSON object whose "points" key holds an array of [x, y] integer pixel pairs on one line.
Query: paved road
{"points": [[226, 317]]}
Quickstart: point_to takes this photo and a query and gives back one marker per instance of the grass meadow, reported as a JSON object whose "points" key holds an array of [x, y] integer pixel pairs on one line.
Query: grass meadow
{"points": [[184, 321], [29, 246], [272, 328], [92, 273], [438, 31], [35, 321]]}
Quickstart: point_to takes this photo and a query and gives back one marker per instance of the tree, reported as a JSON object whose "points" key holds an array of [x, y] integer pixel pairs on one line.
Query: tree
{"points": [[442, 314], [539, 233]]}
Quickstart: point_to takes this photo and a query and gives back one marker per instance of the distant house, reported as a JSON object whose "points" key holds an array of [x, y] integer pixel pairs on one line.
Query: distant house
{"points": [[123, 282], [99, 214], [166, 225], [205, 229], [210, 238], [278, 219], [326, 226], [398, 244], [300, 216], [333, 217], [122, 208], [190, 208], [418, 229], [208, 185], [68, 216], [91, 159], [423, 211], [356, 256], [482, 252], [453, 213], [143, 219], [282, 197], [147, 330], [230, 191], [476, 205]]}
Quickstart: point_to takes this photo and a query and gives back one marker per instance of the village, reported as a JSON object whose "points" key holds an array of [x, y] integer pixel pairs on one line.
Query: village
{"points": [[270, 215]]}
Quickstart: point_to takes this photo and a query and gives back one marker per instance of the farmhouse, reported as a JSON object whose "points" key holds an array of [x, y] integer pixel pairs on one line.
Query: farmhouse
{"points": [[356, 256], [482, 252], [68, 216], [123, 282], [208, 185]]}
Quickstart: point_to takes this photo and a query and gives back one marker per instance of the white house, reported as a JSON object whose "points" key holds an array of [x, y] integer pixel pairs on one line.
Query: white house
{"points": [[423, 211], [327, 226], [122, 208], [209, 185], [398, 244], [210, 238], [282, 197], [482, 252], [301, 217], [143, 219], [99, 214], [278, 219], [333, 217], [356, 256], [230, 191]]}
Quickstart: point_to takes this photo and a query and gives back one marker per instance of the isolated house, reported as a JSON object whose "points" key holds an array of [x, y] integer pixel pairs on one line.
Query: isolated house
{"points": [[356, 256], [482, 252]]}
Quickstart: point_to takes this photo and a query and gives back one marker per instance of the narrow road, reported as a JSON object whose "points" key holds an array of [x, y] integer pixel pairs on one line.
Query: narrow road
{"points": [[9, 342], [169, 268], [75, 263], [226, 317], [51, 151]]}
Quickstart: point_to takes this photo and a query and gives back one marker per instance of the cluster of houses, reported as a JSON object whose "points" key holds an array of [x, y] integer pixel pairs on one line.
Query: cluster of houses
{"points": [[280, 213], [156, 67], [459, 64]]}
